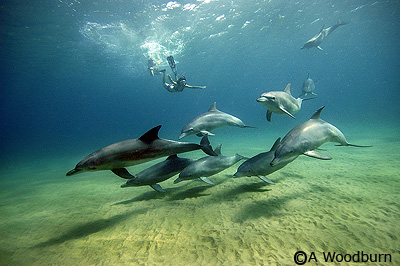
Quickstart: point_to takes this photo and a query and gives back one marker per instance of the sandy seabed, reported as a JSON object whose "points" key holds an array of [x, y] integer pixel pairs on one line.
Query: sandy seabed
{"points": [[346, 205]]}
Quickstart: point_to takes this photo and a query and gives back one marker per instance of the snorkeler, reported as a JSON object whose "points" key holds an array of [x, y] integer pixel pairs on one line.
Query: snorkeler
{"points": [[178, 84]]}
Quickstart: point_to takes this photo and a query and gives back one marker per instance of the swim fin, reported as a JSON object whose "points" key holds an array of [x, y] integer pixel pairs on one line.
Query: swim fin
{"points": [[172, 64]]}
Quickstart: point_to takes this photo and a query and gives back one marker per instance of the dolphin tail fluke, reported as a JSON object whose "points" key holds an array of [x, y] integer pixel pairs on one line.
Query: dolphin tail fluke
{"points": [[178, 180], [206, 146], [309, 98], [353, 145], [246, 126], [123, 173], [158, 188]]}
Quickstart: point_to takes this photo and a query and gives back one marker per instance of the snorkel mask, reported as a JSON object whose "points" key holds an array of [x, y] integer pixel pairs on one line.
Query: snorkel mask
{"points": [[182, 80]]}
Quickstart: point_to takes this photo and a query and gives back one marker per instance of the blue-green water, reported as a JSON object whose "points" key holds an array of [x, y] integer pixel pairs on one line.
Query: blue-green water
{"points": [[73, 77]]}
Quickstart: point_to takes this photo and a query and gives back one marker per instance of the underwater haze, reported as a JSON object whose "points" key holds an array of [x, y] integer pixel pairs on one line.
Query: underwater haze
{"points": [[74, 79]]}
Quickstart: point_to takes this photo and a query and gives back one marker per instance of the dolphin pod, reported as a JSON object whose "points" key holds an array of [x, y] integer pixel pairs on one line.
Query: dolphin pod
{"points": [[303, 139]]}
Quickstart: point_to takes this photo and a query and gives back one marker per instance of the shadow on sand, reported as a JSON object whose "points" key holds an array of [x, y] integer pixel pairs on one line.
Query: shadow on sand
{"points": [[86, 229]]}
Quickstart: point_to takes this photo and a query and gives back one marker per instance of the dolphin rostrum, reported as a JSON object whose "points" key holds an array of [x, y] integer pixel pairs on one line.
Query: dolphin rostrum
{"points": [[159, 172], [307, 137], [281, 102], [213, 119], [308, 87], [317, 39], [149, 146], [259, 165], [208, 166]]}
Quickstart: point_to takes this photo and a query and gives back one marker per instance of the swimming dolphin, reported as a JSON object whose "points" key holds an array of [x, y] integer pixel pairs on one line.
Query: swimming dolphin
{"points": [[308, 87], [159, 172], [149, 146], [317, 39], [259, 165], [306, 138], [208, 166], [213, 119], [281, 102]]}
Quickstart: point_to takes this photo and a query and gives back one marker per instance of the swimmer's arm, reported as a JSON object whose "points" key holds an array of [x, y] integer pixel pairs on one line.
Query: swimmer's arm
{"points": [[171, 80], [195, 87]]}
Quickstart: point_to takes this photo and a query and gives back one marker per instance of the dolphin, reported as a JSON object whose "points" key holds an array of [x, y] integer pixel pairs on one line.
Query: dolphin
{"points": [[307, 137], [281, 102], [317, 39], [308, 87], [259, 165], [208, 166], [213, 119], [149, 146], [159, 172]]}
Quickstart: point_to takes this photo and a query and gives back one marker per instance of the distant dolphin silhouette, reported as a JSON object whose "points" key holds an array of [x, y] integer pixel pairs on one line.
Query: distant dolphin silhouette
{"points": [[213, 119], [320, 37], [307, 137], [308, 87], [149, 146]]}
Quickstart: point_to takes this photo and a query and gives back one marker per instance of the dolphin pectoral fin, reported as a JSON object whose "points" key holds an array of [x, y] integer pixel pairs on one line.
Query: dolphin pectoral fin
{"points": [[206, 146], [269, 113], [319, 48], [158, 188], [246, 126], [206, 180], [317, 155], [286, 112], [266, 180], [122, 172], [205, 132]]}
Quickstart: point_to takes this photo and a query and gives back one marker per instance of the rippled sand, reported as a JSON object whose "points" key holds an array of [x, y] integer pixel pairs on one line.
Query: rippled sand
{"points": [[344, 205]]}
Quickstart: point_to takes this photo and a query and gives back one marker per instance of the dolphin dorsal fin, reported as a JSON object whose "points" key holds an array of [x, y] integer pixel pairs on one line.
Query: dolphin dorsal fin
{"points": [[287, 89], [150, 135], [308, 75], [322, 28], [317, 114], [217, 150], [213, 107], [275, 146], [172, 157]]}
